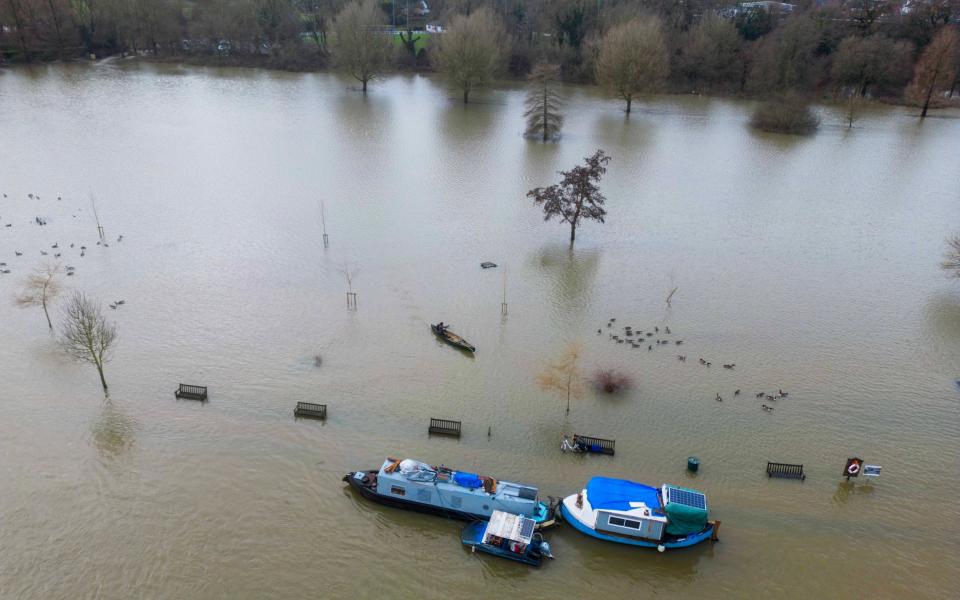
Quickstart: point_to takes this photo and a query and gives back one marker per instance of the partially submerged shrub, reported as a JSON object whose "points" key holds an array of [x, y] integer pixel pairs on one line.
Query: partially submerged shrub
{"points": [[785, 115], [611, 381]]}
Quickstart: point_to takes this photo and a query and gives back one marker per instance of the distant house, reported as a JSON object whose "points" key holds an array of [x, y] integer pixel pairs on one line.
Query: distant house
{"points": [[784, 8], [434, 27]]}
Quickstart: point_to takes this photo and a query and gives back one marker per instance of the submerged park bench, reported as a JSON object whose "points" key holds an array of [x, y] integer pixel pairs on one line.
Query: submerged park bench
{"points": [[444, 427], [308, 409], [595, 445], [785, 471], [191, 392]]}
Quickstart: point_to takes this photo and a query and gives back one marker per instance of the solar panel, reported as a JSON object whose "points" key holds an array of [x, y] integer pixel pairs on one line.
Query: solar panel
{"points": [[687, 498], [526, 529]]}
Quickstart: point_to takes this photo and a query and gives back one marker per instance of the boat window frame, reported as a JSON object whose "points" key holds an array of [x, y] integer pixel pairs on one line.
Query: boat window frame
{"points": [[394, 490], [625, 523]]}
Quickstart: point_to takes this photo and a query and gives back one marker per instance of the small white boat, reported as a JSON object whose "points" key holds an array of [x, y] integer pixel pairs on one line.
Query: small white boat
{"points": [[626, 512]]}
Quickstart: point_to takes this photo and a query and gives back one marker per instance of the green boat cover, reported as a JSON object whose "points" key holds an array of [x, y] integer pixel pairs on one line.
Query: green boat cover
{"points": [[684, 519]]}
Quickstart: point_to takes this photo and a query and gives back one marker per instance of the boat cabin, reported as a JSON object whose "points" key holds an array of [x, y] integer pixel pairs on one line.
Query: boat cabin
{"points": [[414, 481], [512, 533]]}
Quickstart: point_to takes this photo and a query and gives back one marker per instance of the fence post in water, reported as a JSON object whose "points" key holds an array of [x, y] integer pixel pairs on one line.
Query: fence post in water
{"points": [[503, 305], [323, 224], [352, 300]]}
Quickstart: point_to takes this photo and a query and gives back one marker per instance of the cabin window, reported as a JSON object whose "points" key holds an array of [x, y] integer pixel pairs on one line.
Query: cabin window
{"points": [[617, 521], [398, 491]]}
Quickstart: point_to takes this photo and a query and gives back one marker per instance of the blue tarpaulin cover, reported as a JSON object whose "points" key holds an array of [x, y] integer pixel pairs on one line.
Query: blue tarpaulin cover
{"points": [[467, 480], [617, 494]]}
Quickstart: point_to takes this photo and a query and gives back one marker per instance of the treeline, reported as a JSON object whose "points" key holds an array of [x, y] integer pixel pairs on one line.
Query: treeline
{"points": [[854, 47]]}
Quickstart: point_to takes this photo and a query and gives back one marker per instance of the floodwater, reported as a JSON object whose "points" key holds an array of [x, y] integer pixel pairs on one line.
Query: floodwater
{"points": [[812, 264]]}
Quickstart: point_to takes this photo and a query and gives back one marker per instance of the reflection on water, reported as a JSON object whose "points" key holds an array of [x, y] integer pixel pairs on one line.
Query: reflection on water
{"points": [[113, 433], [810, 263]]}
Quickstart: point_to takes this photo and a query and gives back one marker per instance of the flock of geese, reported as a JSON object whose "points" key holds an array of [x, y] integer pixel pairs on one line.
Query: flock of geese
{"points": [[637, 338], [57, 251]]}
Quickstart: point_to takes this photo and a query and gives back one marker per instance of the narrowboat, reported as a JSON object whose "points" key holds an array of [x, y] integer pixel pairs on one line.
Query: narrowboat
{"points": [[443, 332], [414, 485], [507, 536], [626, 512]]}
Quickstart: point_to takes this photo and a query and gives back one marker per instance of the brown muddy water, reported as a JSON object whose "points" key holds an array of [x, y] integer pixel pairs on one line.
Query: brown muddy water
{"points": [[812, 264]]}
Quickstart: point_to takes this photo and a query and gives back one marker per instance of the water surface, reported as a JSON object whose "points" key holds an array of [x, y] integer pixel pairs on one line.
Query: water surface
{"points": [[810, 263]]}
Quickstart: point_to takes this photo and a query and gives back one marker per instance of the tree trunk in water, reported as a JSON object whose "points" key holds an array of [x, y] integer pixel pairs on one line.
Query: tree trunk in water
{"points": [[103, 381], [466, 96], [364, 86], [573, 232], [49, 324], [629, 102], [926, 102]]}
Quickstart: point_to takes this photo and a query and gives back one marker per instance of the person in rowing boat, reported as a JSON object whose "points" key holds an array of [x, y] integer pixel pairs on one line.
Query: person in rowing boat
{"points": [[441, 327]]}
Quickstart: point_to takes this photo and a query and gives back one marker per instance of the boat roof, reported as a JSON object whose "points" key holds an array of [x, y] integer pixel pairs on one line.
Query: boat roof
{"points": [[607, 493], [508, 526]]}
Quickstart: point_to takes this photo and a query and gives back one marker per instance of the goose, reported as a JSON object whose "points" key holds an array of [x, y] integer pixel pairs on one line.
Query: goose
{"points": [[783, 393], [766, 408], [55, 246], [120, 239], [598, 331], [681, 358], [619, 341], [730, 366], [719, 399], [769, 397], [71, 245], [703, 362], [57, 255], [657, 329], [759, 394], [69, 273], [708, 363], [18, 253], [612, 319], [678, 342], [43, 253], [649, 348], [120, 302], [2, 264], [649, 334], [113, 306], [736, 392], [668, 330]]}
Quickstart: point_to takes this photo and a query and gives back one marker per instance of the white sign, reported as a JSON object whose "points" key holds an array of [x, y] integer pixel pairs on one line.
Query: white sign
{"points": [[871, 470]]}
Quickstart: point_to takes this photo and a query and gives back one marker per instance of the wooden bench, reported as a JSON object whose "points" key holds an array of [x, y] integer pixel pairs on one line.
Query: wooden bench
{"points": [[191, 392], [444, 427], [308, 409], [785, 471], [595, 445]]}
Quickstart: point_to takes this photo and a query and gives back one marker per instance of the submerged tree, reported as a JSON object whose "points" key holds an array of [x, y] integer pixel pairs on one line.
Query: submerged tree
{"points": [[362, 48], [563, 376], [951, 260], [935, 70], [543, 103], [875, 60], [471, 50], [633, 59], [577, 196], [86, 335], [40, 289]]}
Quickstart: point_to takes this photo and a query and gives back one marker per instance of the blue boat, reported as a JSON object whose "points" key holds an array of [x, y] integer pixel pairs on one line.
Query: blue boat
{"points": [[414, 485], [626, 512], [507, 536]]}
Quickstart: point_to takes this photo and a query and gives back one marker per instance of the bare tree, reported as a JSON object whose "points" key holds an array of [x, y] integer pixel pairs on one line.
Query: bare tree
{"points": [[349, 273], [40, 289], [543, 103], [875, 60], [633, 59], [86, 334], [936, 68], [471, 50], [951, 259], [563, 377], [577, 196], [362, 47]]}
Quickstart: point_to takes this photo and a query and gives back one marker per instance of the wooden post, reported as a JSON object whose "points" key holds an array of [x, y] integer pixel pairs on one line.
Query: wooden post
{"points": [[93, 203], [323, 224], [352, 300], [503, 305]]}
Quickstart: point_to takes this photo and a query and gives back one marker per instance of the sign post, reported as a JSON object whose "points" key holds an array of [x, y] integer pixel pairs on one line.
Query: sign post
{"points": [[853, 467], [871, 470]]}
